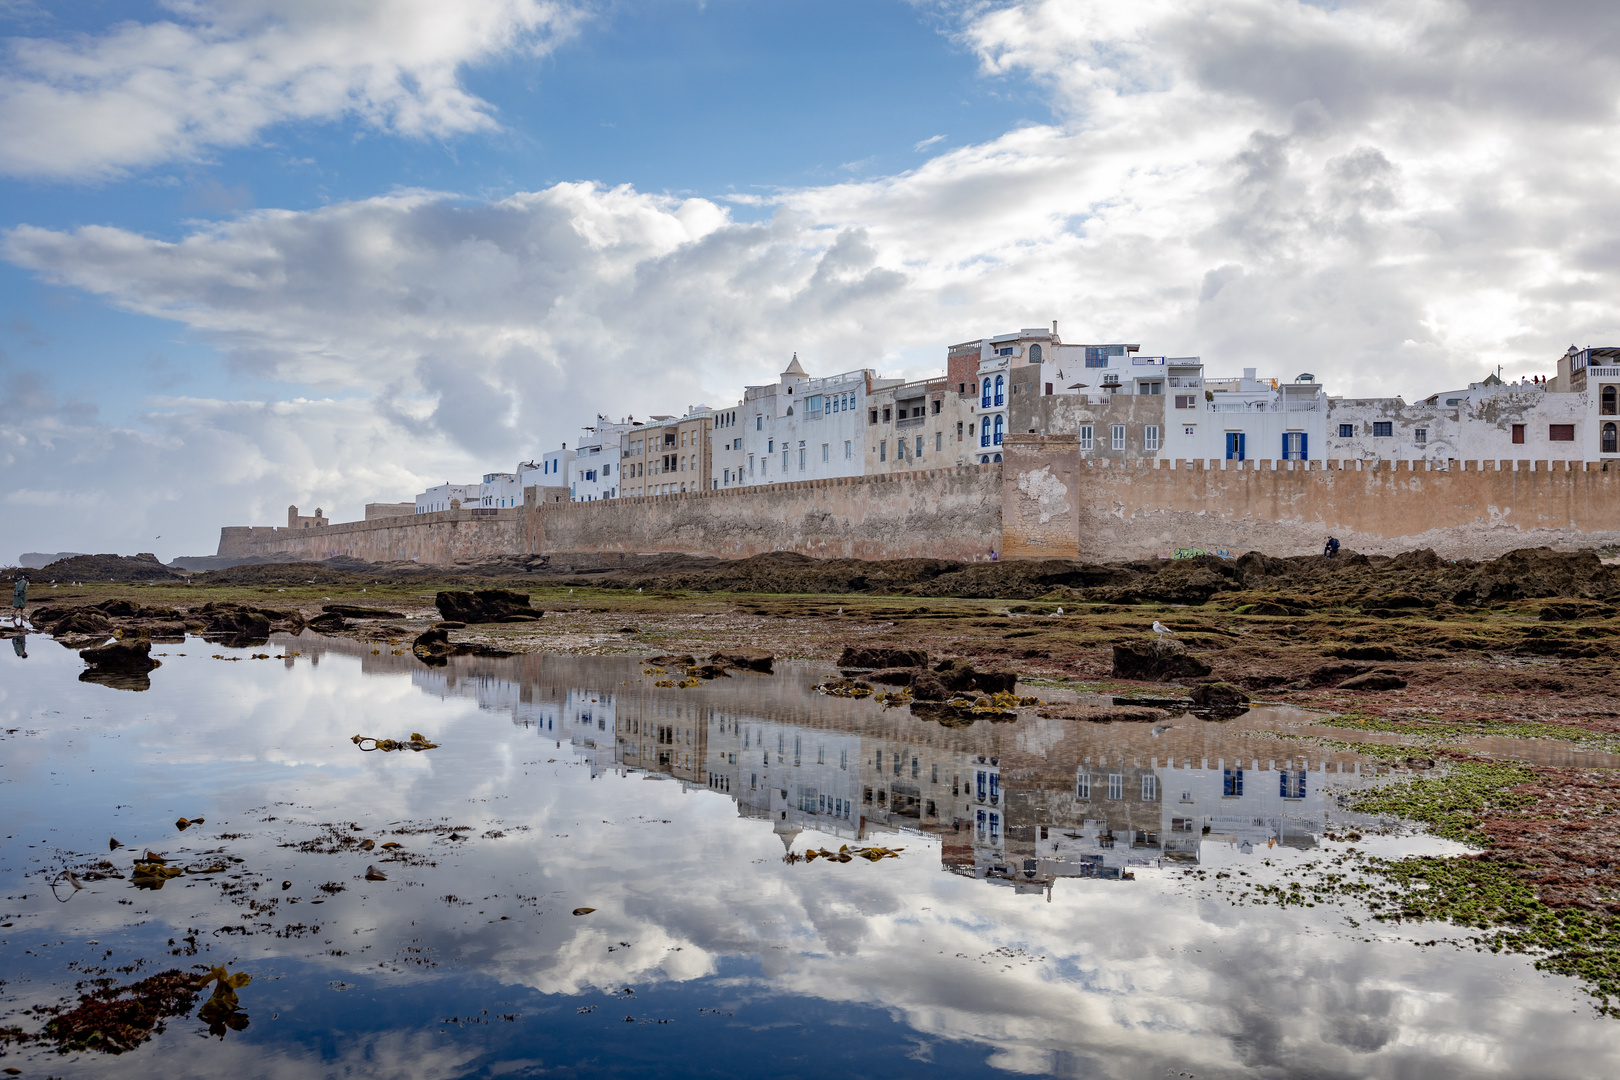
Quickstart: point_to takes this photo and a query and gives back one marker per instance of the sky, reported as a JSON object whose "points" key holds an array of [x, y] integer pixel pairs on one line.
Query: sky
{"points": [[329, 252]]}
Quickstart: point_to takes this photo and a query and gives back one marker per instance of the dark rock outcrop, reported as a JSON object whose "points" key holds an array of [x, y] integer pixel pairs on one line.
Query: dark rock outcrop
{"points": [[1156, 661], [351, 611], [927, 686], [122, 665], [1374, 680], [434, 647], [327, 622], [671, 660], [960, 676], [1218, 695], [482, 605], [867, 656], [745, 659]]}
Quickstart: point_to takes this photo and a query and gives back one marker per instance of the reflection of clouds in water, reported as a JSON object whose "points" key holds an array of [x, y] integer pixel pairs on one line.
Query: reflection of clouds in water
{"points": [[385, 1056], [1101, 978]]}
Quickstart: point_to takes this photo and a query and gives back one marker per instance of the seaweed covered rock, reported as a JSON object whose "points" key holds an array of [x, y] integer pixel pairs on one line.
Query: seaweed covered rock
{"points": [[869, 656], [435, 648], [927, 686], [960, 676], [1535, 572], [1156, 661], [744, 659], [432, 645], [482, 605]]}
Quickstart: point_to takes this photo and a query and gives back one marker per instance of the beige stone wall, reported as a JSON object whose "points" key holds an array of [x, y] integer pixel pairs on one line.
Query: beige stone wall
{"points": [[1056, 503], [945, 513]]}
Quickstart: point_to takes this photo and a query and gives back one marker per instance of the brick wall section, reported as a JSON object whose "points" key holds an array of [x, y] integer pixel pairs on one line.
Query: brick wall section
{"points": [[939, 513], [1055, 503]]}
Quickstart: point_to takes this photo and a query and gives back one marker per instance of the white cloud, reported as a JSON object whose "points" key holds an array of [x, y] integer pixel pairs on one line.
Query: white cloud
{"points": [[1366, 192], [218, 74], [924, 144]]}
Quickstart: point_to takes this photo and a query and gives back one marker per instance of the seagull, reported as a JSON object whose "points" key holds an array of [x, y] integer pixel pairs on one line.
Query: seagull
{"points": [[1161, 629], [1056, 613]]}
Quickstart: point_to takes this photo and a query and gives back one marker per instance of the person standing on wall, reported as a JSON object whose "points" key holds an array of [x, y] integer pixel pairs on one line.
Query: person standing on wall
{"points": [[19, 598]]}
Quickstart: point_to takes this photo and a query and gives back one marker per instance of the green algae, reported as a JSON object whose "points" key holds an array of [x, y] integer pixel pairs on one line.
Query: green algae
{"points": [[1437, 730], [1454, 804]]}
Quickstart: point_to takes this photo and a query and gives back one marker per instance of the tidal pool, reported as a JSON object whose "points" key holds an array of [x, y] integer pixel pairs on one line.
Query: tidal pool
{"points": [[1054, 909]]}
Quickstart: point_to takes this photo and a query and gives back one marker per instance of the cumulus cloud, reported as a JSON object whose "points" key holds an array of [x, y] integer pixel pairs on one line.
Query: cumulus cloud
{"points": [[218, 74], [1396, 197]]}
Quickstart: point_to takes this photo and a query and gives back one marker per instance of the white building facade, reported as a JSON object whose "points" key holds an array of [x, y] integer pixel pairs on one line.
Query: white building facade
{"points": [[800, 428]]}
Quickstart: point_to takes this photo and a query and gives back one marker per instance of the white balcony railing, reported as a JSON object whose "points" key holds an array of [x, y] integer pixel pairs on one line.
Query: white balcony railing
{"points": [[1310, 405]]}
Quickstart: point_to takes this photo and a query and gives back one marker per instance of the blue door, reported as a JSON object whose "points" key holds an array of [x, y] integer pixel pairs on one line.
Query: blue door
{"points": [[1234, 446]]}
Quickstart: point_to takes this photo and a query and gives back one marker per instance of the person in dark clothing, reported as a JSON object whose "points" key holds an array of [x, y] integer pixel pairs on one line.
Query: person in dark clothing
{"points": [[19, 599], [1331, 548]]}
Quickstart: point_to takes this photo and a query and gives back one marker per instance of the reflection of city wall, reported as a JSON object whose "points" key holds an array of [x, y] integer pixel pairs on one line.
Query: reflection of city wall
{"points": [[1023, 802]]}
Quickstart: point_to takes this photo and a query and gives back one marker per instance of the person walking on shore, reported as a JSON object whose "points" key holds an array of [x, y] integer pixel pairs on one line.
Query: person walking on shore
{"points": [[19, 598]]}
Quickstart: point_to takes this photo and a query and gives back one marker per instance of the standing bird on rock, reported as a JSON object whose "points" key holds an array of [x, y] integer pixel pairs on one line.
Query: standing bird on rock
{"points": [[1161, 629]]}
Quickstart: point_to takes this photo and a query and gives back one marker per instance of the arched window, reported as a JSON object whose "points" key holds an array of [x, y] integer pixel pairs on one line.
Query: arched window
{"points": [[1034, 354], [998, 457], [790, 410], [984, 432], [984, 400], [1608, 402], [999, 396], [984, 459], [998, 430], [1611, 439]]}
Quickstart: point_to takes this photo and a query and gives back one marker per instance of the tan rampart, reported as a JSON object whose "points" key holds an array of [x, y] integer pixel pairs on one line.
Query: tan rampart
{"points": [[941, 513], [1057, 503]]}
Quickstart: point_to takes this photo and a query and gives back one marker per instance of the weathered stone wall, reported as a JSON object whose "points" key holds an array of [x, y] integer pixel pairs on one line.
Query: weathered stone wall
{"points": [[1057, 504], [940, 513], [943, 513]]}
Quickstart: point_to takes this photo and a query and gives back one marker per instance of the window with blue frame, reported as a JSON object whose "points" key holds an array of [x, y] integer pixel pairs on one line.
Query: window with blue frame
{"points": [[1097, 355], [1291, 783], [1232, 783], [1347, 431], [998, 430], [1000, 397], [984, 431], [984, 399], [1236, 445], [981, 786], [1383, 429], [1294, 446]]}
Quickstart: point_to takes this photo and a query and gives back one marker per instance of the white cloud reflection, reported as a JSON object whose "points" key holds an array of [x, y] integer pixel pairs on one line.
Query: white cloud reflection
{"points": [[1107, 978]]}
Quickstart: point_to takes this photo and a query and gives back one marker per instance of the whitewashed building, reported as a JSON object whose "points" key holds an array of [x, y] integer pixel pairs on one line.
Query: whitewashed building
{"points": [[441, 496], [593, 475], [800, 428], [726, 449]]}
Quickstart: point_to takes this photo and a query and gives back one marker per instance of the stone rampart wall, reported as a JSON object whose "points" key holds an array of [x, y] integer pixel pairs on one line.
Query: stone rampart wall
{"points": [[1056, 503], [941, 513]]}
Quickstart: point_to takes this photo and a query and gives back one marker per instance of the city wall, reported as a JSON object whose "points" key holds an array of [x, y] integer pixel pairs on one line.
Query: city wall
{"points": [[1059, 504], [940, 513], [1047, 500]]}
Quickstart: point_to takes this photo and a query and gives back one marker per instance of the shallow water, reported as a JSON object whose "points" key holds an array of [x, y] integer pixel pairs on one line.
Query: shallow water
{"points": [[1023, 929]]}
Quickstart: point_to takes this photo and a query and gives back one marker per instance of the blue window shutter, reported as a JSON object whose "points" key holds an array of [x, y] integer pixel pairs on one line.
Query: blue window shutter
{"points": [[1304, 446], [1286, 455]]}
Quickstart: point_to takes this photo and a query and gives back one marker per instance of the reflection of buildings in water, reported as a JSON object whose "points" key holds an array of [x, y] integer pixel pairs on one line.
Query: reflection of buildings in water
{"points": [[1021, 804]]}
